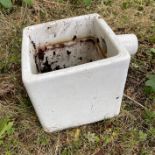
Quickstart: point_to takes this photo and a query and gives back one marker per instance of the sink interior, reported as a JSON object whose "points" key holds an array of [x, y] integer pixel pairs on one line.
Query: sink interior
{"points": [[51, 57]]}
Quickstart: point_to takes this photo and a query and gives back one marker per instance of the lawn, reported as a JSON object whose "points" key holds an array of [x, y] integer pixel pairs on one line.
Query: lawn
{"points": [[131, 132]]}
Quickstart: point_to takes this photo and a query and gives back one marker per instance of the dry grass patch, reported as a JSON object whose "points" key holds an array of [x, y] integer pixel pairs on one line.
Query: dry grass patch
{"points": [[132, 132]]}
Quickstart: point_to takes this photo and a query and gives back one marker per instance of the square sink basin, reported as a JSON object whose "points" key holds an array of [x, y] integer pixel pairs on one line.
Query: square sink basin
{"points": [[74, 71]]}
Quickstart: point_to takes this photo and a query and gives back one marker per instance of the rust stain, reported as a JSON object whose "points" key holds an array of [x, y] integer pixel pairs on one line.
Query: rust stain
{"points": [[41, 58], [74, 38]]}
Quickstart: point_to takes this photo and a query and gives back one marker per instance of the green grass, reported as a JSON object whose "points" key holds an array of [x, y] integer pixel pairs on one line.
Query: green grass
{"points": [[131, 132]]}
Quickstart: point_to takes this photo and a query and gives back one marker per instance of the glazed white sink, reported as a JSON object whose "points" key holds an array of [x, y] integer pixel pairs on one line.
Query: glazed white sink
{"points": [[75, 70]]}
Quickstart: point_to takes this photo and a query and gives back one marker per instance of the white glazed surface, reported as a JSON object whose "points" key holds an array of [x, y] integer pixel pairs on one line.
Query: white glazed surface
{"points": [[79, 94]]}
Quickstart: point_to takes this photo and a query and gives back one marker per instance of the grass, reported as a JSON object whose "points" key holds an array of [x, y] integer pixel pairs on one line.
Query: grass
{"points": [[131, 132]]}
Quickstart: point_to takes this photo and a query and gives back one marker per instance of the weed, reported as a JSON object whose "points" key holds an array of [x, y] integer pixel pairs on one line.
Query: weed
{"points": [[142, 136], [152, 50], [150, 84], [126, 4], [28, 2], [92, 137], [149, 117], [8, 3], [6, 128], [152, 39], [87, 2]]}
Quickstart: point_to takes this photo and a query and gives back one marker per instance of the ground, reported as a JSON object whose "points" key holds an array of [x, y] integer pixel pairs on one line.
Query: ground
{"points": [[131, 132]]}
